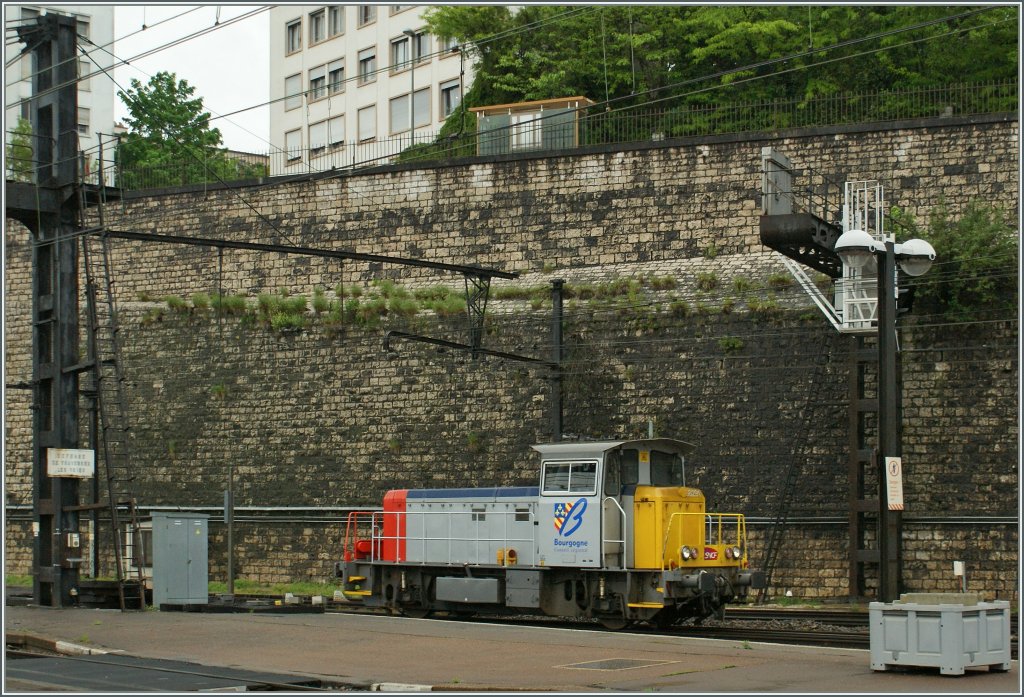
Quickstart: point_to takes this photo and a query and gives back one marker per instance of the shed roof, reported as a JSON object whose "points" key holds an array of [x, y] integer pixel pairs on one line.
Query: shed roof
{"points": [[530, 106]]}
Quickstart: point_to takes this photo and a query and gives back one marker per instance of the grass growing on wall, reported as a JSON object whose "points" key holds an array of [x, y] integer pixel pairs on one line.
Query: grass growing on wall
{"points": [[641, 302]]}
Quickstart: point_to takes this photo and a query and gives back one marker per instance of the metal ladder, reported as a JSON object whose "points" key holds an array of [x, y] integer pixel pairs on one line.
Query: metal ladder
{"points": [[793, 469], [113, 433]]}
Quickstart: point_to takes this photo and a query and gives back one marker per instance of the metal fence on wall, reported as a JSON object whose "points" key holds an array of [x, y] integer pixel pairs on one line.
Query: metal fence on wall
{"points": [[596, 126]]}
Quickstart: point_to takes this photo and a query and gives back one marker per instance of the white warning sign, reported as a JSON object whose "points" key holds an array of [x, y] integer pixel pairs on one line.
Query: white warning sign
{"points": [[70, 462], [894, 482]]}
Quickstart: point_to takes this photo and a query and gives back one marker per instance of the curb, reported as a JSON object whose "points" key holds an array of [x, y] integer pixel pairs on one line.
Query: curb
{"points": [[62, 647]]}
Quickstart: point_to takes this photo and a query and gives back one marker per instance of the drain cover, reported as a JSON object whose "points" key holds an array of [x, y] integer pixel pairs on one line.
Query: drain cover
{"points": [[616, 664]]}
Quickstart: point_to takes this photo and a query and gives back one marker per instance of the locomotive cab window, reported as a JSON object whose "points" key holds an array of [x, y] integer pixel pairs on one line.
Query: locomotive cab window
{"points": [[570, 477], [623, 469], [666, 469]]}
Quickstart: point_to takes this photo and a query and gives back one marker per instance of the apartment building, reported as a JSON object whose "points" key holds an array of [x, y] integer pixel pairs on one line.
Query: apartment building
{"points": [[347, 80], [96, 91]]}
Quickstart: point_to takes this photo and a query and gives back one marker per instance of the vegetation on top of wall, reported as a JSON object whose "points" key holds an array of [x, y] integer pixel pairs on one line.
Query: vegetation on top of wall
{"points": [[366, 307]]}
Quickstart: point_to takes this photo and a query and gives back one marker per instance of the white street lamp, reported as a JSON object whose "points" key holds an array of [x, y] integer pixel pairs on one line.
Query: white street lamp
{"points": [[856, 248]]}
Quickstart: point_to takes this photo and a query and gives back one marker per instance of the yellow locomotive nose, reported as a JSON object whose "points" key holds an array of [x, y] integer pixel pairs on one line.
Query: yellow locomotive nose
{"points": [[672, 529]]}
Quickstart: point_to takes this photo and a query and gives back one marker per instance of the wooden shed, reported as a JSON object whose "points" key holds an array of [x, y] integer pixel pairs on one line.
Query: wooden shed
{"points": [[545, 124]]}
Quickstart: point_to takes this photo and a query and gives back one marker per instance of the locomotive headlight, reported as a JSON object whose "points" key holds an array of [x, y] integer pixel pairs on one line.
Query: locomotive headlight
{"points": [[684, 551], [737, 553], [728, 553]]}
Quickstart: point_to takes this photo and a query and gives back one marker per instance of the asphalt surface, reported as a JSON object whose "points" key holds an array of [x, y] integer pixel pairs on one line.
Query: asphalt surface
{"points": [[397, 654]]}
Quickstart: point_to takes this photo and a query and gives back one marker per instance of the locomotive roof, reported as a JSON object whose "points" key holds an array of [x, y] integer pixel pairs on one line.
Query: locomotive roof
{"points": [[600, 447]]}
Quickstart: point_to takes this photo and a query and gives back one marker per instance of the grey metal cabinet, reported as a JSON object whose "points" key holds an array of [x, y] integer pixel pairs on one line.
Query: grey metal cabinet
{"points": [[180, 559]]}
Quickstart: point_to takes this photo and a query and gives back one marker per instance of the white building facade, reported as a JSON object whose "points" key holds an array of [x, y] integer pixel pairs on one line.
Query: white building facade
{"points": [[96, 91], [341, 77]]}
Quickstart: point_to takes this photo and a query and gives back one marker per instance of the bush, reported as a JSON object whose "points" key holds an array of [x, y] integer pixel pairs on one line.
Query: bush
{"points": [[707, 281], [976, 261]]}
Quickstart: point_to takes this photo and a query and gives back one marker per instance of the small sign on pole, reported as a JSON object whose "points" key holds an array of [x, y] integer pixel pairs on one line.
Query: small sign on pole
{"points": [[79, 463], [894, 479]]}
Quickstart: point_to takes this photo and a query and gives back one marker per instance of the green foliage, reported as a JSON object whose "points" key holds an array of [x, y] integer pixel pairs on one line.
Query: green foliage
{"points": [[780, 281], [976, 267], [662, 282], [170, 141], [634, 54], [229, 304], [19, 153], [201, 302], [742, 284], [152, 316], [730, 344], [451, 306], [707, 281], [320, 302], [679, 308], [764, 309], [475, 442], [177, 304], [219, 391]]}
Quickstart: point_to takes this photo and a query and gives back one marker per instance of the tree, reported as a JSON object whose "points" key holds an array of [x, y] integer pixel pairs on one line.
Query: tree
{"points": [[690, 56], [170, 141], [19, 153], [976, 268]]}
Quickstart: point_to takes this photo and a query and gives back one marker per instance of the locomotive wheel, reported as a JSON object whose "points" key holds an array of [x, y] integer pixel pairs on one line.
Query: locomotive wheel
{"points": [[416, 613], [615, 623]]}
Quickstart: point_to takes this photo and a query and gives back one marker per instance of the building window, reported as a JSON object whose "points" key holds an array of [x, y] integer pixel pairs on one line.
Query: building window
{"points": [[318, 82], [447, 46], [317, 26], [367, 65], [336, 77], [317, 137], [451, 97], [293, 145], [399, 111], [83, 121], [82, 27], [367, 14], [335, 20], [421, 46], [395, 9], [293, 91], [293, 36], [399, 54], [526, 131], [336, 131], [83, 75], [367, 123]]}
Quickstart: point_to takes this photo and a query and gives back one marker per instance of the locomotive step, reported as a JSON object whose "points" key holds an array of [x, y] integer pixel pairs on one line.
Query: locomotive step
{"points": [[647, 605], [353, 579]]}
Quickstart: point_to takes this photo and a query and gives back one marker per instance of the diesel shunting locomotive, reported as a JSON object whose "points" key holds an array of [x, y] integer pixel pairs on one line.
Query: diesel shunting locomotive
{"points": [[612, 532]]}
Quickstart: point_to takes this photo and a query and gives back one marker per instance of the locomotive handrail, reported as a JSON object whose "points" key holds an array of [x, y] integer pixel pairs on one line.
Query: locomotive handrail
{"points": [[622, 529], [707, 528], [477, 541]]}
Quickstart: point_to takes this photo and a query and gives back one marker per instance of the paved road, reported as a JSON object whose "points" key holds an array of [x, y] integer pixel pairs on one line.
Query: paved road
{"points": [[363, 650]]}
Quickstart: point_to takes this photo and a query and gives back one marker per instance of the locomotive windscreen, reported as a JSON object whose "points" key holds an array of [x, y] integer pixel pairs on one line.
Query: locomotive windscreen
{"points": [[666, 469]]}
